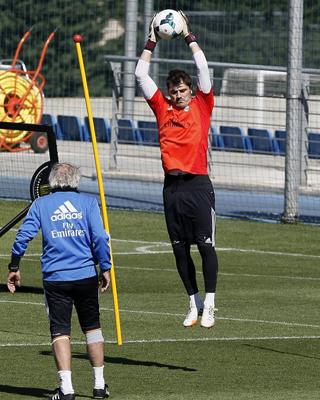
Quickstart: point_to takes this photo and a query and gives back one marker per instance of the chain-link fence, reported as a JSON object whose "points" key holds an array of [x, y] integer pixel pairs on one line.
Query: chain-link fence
{"points": [[265, 132]]}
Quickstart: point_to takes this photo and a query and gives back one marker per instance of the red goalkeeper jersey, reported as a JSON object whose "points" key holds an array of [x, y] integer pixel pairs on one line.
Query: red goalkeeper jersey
{"points": [[183, 133]]}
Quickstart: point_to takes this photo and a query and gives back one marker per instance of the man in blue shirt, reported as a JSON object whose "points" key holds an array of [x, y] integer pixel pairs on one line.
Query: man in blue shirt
{"points": [[74, 241]]}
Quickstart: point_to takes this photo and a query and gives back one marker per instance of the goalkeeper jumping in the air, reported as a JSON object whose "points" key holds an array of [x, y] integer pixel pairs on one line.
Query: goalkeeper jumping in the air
{"points": [[189, 203], [74, 240]]}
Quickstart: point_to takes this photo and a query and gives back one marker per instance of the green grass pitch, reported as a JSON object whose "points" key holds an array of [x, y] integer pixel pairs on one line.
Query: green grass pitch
{"points": [[265, 345]]}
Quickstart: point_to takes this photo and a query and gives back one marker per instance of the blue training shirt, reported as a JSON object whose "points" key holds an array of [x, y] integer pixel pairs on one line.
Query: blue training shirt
{"points": [[73, 236]]}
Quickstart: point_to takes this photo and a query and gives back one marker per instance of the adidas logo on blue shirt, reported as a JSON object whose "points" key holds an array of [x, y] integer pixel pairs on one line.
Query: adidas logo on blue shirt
{"points": [[66, 211]]}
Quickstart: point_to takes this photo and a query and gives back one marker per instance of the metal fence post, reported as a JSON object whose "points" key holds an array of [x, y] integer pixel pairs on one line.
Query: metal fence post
{"points": [[293, 117], [116, 71], [130, 51]]}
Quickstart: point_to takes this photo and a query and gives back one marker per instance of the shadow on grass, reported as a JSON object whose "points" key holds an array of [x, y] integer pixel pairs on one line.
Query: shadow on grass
{"points": [[282, 352], [25, 391], [23, 289], [32, 392], [128, 361]]}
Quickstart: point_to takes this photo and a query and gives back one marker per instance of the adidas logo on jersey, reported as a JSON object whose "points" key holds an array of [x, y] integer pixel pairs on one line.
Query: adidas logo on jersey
{"points": [[66, 211]]}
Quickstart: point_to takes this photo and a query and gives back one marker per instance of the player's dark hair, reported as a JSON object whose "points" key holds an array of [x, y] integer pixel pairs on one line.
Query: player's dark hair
{"points": [[176, 76]]}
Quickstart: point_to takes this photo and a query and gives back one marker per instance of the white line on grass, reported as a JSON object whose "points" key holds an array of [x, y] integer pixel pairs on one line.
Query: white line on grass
{"points": [[259, 321], [275, 253], [222, 339], [27, 303], [302, 278], [146, 249], [175, 340], [142, 241], [223, 273], [141, 250]]}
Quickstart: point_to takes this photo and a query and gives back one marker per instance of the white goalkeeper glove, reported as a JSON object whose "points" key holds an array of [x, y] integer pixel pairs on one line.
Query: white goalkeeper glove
{"points": [[189, 37], [153, 37]]}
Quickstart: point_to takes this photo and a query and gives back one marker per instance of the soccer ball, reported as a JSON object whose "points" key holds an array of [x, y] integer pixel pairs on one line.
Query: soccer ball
{"points": [[168, 24]]}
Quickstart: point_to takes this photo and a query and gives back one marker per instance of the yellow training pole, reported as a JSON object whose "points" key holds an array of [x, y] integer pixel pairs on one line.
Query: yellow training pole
{"points": [[78, 39]]}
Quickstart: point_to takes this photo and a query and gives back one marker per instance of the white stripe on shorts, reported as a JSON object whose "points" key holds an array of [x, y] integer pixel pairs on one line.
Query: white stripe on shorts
{"points": [[213, 219]]}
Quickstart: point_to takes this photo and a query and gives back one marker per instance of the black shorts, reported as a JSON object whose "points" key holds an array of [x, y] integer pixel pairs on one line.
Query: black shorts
{"points": [[189, 206], [60, 298]]}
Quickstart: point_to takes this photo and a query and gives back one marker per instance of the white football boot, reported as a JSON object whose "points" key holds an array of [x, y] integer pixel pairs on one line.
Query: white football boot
{"points": [[192, 315], [207, 320]]}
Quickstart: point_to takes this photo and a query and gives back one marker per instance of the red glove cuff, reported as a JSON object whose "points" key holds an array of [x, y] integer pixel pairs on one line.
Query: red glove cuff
{"points": [[190, 38], [150, 45]]}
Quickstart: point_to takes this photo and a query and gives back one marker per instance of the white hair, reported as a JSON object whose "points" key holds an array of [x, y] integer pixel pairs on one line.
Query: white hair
{"points": [[64, 175]]}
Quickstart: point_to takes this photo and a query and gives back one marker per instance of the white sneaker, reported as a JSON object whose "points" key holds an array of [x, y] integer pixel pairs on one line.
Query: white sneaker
{"points": [[192, 316], [207, 320]]}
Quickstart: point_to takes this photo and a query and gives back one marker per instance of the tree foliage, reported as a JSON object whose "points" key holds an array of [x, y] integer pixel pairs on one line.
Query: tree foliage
{"points": [[247, 31], [85, 17]]}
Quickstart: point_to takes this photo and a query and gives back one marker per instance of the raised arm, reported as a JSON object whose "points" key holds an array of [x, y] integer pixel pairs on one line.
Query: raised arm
{"points": [[147, 85], [203, 76]]}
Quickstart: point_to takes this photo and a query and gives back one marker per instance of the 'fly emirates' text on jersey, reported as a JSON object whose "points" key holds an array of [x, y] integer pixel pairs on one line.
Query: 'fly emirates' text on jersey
{"points": [[73, 236], [183, 133]]}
